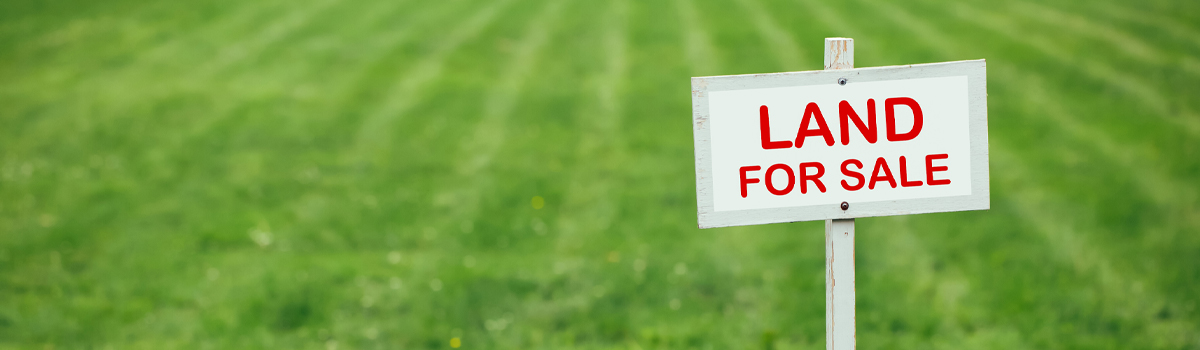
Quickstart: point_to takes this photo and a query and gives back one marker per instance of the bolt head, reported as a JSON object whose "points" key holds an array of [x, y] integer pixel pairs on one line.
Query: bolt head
{"points": [[842, 81], [845, 205]]}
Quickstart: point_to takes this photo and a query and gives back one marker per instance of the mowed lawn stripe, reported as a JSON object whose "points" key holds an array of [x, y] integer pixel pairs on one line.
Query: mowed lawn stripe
{"points": [[223, 116], [789, 56], [279, 50], [1148, 96], [413, 158], [272, 33], [352, 68], [375, 127], [1172, 26], [1159, 185], [185, 84], [477, 149], [250, 34], [487, 203], [323, 82], [921, 291], [1155, 37], [340, 187], [88, 125], [1148, 58], [155, 208], [1122, 294], [1166, 60], [700, 52], [459, 191], [78, 74], [384, 59], [1079, 27], [590, 204], [280, 137], [35, 53], [735, 41], [561, 145], [245, 79]]}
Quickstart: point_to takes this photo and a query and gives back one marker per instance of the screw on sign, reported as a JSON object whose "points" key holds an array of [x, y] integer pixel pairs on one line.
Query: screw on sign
{"points": [[797, 146]]}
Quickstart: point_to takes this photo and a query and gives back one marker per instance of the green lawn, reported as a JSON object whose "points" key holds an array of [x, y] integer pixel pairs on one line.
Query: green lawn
{"points": [[321, 174]]}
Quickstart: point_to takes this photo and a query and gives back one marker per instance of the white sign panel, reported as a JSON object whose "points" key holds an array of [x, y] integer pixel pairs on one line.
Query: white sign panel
{"points": [[885, 141]]}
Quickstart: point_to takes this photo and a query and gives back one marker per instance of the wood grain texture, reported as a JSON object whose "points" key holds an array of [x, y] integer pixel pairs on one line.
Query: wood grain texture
{"points": [[839, 53], [839, 285], [840, 333]]}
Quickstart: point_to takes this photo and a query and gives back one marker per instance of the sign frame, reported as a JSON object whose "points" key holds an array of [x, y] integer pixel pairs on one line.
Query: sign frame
{"points": [[979, 199]]}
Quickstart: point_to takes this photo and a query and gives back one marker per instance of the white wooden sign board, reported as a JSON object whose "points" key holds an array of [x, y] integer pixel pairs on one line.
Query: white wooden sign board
{"points": [[794, 146]]}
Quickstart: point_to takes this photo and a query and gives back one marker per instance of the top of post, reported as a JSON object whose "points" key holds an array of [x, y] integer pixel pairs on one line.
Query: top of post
{"points": [[839, 53]]}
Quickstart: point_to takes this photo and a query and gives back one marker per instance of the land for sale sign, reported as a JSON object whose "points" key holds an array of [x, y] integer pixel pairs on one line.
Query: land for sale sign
{"points": [[839, 144]]}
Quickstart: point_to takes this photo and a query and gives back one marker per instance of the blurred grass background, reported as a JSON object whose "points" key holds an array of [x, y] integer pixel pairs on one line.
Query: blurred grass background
{"points": [[518, 174]]}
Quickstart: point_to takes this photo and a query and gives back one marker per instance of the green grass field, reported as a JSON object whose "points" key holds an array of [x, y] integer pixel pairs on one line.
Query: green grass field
{"points": [[322, 174]]}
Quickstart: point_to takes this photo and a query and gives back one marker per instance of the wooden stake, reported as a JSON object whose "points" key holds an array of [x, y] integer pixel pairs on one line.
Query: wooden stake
{"points": [[839, 240]]}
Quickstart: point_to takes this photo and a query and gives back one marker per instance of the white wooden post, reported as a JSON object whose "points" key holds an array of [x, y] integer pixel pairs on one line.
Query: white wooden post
{"points": [[839, 240]]}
